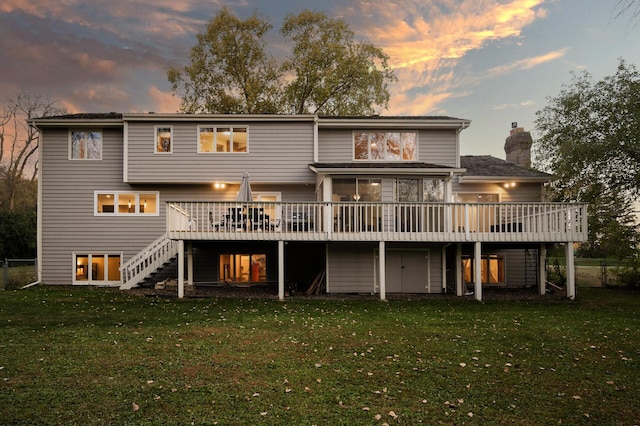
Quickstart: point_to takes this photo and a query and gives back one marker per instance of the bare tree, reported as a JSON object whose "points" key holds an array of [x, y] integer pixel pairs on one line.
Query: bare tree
{"points": [[624, 7], [19, 142]]}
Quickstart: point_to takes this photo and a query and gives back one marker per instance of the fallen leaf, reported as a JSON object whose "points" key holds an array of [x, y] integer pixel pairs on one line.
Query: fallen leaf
{"points": [[134, 406], [393, 414], [462, 364], [470, 414], [377, 417]]}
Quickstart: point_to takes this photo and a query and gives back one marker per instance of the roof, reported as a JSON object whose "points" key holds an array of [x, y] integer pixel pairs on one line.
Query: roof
{"points": [[383, 168], [486, 166], [85, 116]]}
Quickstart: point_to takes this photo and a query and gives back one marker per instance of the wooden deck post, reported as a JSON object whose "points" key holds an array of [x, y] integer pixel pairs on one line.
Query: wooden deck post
{"points": [[382, 261], [542, 269], [190, 263], [571, 271], [459, 280], [280, 270], [477, 270], [180, 269]]}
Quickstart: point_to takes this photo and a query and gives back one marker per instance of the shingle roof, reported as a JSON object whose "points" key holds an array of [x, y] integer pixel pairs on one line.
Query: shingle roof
{"points": [[380, 165], [486, 165], [86, 116]]}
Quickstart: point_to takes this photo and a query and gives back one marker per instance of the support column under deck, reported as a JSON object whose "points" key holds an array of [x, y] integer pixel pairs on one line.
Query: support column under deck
{"points": [[180, 269], [459, 291], [382, 261], [571, 270], [542, 269], [477, 270], [190, 263], [280, 270]]}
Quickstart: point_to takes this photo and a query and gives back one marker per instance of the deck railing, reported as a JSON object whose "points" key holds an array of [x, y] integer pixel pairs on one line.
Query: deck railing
{"points": [[365, 221]]}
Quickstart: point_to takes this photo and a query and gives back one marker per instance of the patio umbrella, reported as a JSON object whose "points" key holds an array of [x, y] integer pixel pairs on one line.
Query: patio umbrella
{"points": [[245, 194]]}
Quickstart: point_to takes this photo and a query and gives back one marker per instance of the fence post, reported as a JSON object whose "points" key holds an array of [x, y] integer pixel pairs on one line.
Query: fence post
{"points": [[5, 275]]}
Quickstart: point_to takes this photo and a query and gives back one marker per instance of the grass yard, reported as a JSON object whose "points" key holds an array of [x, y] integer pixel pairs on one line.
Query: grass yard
{"points": [[99, 356]]}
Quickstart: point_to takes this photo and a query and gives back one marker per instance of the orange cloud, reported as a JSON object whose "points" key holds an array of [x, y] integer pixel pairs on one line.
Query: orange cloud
{"points": [[162, 101], [425, 40]]}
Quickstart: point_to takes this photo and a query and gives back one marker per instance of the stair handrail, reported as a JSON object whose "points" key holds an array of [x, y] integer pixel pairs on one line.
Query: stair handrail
{"points": [[147, 260]]}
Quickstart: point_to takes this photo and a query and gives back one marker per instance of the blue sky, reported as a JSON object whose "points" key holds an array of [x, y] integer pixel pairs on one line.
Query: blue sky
{"points": [[491, 61]]}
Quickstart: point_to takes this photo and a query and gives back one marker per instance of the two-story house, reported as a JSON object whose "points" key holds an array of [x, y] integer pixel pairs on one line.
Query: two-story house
{"points": [[366, 204]]}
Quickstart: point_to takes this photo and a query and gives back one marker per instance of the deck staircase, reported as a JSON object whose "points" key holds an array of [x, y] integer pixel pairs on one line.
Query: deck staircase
{"points": [[149, 262]]}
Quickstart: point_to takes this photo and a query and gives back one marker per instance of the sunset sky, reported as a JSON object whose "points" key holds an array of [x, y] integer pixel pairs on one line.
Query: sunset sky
{"points": [[490, 61]]}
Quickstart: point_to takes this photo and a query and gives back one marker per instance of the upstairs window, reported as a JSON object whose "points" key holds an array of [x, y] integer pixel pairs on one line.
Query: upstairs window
{"points": [[126, 203], [164, 140], [85, 144], [385, 146], [222, 139]]}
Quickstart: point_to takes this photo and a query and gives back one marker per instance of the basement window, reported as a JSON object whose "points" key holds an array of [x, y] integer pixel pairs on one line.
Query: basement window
{"points": [[97, 269], [492, 269]]}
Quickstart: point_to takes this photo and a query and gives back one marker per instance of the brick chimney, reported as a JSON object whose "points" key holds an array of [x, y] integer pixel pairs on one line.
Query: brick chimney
{"points": [[518, 146]]}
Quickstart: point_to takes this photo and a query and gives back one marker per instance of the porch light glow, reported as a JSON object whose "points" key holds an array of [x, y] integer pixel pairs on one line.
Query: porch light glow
{"points": [[219, 185], [129, 202], [510, 185]]}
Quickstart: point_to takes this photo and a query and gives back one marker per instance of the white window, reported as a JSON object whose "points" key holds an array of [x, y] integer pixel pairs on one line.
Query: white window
{"points": [[419, 190], [491, 268], [96, 269], [163, 140], [115, 203], [85, 144], [213, 139], [385, 146]]}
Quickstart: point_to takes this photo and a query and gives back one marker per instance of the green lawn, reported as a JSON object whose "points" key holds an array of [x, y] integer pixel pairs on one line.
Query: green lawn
{"points": [[99, 356]]}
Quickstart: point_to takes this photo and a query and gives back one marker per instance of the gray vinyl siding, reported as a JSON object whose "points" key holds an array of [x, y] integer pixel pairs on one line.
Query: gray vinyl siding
{"points": [[278, 152], [438, 147], [521, 267], [350, 268], [68, 221], [434, 146]]}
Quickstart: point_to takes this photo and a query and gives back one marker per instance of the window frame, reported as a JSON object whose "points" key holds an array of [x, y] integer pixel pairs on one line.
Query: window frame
{"points": [[395, 137], [222, 128], [84, 130], [486, 259], [137, 201], [156, 139], [89, 273]]}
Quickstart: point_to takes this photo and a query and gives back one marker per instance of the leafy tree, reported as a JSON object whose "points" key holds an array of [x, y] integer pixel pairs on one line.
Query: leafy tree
{"points": [[328, 72], [18, 237], [333, 73], [18, 146], [230, 72], [590, 141]]}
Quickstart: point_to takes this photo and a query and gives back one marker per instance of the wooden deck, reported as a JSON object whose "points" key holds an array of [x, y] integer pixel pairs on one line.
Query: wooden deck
{"points": [[364, 221]]}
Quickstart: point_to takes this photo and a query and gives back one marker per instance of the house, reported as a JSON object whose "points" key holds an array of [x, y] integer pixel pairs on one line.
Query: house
{"points": [[369, 204]]}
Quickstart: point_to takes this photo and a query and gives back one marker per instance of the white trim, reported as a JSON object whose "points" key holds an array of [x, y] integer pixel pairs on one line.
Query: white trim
{"points": [[244, 118], [39, 210], [215, 128], [156, 128], [386, 133], [91, 281], [85, 129], [135, 202], [125, 153]]}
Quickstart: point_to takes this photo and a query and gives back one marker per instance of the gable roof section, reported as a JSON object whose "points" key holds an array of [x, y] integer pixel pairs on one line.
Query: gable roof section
{"points": [[486, 168], [394, 122], [398, 168]]}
